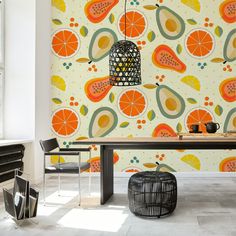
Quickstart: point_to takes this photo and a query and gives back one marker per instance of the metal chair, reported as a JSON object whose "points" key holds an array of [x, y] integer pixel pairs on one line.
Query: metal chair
{"points": [[48, 147]]}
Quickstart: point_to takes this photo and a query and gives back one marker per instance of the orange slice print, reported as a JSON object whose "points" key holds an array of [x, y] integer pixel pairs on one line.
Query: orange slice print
{"points": [[136, 24], [65, 122], [199, 43], [65, 43], [199, 116], [132, 103]]}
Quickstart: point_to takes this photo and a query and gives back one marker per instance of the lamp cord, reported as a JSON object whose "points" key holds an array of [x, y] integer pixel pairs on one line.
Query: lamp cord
{"points": [[125, 18]]}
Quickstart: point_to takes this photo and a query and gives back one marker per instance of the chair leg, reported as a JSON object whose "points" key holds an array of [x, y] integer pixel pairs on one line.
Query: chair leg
{"points": [[90, 177], [59, 184], [44, 182], [59, 177], [79, 189], [44, 189]]}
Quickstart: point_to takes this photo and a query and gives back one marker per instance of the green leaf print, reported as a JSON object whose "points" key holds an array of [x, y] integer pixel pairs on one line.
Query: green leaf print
{"points": [[191, 100], [111, 97], [57, 100], [83, 110], [124, 124], [151, 36], [112, 18], [56, 21], [191, 21], [218, 110], [218, 31], [151, 115]]}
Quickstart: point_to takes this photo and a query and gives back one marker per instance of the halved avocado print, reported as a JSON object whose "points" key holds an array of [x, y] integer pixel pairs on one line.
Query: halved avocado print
{"points": [[230, 121], [101, 43], [103, 121], [170, 24], [230, 46], [170, 103]]}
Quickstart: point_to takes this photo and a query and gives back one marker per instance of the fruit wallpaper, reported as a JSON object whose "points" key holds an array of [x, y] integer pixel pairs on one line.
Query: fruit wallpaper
{"points": [[188, 50]]}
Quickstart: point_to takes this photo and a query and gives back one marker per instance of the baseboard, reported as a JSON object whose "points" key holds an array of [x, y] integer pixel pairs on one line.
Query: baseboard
{"points": [[127, 175], [177, 174], [189, 174]]}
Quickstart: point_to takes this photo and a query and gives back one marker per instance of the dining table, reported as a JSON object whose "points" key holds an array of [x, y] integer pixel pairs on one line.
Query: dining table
{"points": [[109, 144]]}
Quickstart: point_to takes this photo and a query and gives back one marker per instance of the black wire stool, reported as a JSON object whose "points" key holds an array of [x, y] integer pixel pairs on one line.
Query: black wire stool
{"points": [[152, 193]]}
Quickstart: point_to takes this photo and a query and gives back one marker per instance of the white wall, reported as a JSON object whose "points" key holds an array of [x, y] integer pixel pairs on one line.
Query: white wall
{"points": [[19, 100], [27, 85], [1, 65], [42, 82]]}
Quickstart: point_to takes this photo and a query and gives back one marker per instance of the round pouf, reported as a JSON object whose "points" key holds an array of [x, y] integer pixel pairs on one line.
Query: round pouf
{"points": [[152, 193]]}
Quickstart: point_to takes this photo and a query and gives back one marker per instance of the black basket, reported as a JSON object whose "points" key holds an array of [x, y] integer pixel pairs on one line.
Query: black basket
{"points": [[152, 193], [125, 64]]}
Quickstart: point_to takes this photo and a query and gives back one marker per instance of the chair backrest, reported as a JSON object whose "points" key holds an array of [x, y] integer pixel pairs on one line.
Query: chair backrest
{"points": [[49, 145]]}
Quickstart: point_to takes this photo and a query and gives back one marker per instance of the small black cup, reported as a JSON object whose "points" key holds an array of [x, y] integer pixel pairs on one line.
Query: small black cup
{"points": [[195, 128]]}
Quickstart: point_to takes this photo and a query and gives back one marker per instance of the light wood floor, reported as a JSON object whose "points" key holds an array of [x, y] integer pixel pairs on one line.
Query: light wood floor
{"points": [[206, 206]]}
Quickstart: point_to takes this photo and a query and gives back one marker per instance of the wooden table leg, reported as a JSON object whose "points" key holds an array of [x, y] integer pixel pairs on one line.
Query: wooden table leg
{"points": [[107, 185]]}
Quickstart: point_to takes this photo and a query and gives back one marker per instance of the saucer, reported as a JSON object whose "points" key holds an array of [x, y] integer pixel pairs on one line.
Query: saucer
{"points": [[198, 132]]}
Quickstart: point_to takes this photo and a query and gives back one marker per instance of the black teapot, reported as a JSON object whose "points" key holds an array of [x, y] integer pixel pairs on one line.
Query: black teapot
{"points": [[212, 127]]}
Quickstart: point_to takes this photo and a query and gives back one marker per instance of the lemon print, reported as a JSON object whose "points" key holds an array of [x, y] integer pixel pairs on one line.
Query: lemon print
{"points": [[59, 4], [55, 160], [192, 81], [58, 82], [192, 160], [194, 4]]}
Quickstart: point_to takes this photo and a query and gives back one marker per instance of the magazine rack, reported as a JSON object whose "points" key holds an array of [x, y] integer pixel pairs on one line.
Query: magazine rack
{"points": [[21, 201]]}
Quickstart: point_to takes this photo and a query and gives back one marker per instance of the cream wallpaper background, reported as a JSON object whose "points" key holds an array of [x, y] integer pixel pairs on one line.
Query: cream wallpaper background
{"points": [[199, 88]]}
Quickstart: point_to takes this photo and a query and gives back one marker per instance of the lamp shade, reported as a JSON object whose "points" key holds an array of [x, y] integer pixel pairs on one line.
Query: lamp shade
{"points": [[125, 64]]}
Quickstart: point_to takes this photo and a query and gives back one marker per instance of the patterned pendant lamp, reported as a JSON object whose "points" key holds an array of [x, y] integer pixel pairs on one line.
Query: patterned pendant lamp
{"points": [[125, 62]]}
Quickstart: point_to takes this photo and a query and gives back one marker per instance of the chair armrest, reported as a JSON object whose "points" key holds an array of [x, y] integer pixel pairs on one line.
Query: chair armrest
{"points": [[75, 149], [62, 153]]}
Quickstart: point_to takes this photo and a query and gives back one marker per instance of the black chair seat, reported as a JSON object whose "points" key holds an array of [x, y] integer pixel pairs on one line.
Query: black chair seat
{"points": [[75, 149], [67, 168]]}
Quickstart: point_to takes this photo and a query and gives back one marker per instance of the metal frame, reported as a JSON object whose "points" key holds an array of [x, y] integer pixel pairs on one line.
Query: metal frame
{"points": [[107, 148], [59, 177]]}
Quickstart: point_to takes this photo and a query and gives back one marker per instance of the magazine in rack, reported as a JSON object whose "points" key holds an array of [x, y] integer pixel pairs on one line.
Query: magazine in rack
{"points": [[21, 202]]}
